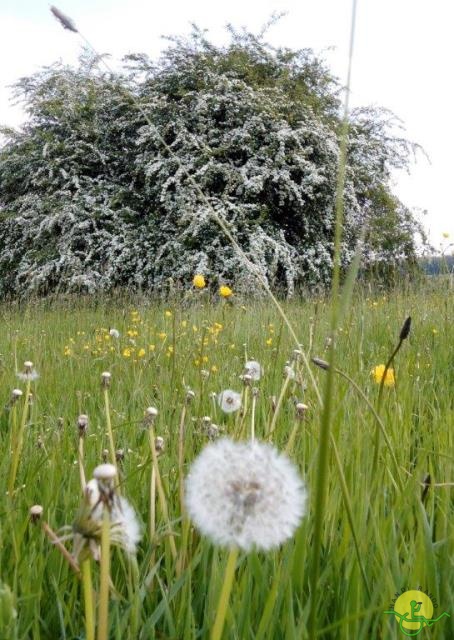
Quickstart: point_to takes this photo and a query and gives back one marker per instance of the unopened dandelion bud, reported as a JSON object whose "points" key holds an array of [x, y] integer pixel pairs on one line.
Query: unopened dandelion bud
{"points": [[106, 378], [64, 20], [82, 425], [300, 409], [105, 455], [119, 455], [405, 331], [321, 363], [36, 511], [159, 444]]}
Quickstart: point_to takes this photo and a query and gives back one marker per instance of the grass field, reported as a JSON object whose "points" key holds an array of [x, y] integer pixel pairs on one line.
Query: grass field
{"points": [[383, 529]]}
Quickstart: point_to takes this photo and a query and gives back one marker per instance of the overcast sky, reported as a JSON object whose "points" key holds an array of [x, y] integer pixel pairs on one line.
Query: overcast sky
{"points": [[404, 51]]}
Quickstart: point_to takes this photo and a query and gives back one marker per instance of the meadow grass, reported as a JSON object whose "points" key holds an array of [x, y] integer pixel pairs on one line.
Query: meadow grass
{"points": [[378, 534]]}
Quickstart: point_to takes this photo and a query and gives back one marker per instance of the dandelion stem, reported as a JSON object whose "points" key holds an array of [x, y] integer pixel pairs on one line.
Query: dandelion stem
{"points": [[181, 457], [254, 401], [81, 464], [88, 599], [216, 633], [109, 427], [103, 613], [19, 443], [161, 493], [278, 405], [50, 533]]}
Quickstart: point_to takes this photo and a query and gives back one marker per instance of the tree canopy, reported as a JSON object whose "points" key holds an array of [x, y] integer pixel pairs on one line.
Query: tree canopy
{"points": [[96, 196]]}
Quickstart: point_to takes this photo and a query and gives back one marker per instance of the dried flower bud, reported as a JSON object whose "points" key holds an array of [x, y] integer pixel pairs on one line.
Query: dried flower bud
{"points": [[213, 395], [105, 455], [120, 455], [149, 416], [328, 343], [204, 373], [60, 423], [297, 355], [289, 372], [159, 444], [190, 395], [106, 378], [30, 399], [36, 511], [247, 379], [321, 363], [28, 366], [82, 424], [206, 420], [39, 442], [15, 395], [301, 409], [212, 431], [105, 472], [405, 331], [255, 392], [64, 20]]}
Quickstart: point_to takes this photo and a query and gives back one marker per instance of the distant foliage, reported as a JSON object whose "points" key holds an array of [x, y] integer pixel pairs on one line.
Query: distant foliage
{"points": [[91, 199]]}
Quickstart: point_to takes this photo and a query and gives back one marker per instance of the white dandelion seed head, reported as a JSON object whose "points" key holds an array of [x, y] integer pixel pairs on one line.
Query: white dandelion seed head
{"points": [[125, 530], [229, 401], [253, 368], [105, 472], [29, 373], [114, 333], [245, 494]]}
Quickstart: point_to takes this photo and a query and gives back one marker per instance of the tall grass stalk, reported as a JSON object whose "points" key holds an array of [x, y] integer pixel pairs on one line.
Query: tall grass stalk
{"points": [[325, 426], [88, 599], [218, 627], [104, 579]]}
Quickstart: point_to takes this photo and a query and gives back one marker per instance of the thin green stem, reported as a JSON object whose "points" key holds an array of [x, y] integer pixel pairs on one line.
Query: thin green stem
{"points": [[88, 599], [218, 627], [103, 612]]}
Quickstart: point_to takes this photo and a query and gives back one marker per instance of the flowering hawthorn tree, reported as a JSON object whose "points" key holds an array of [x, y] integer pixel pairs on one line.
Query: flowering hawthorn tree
{"points": [[96, 196]]}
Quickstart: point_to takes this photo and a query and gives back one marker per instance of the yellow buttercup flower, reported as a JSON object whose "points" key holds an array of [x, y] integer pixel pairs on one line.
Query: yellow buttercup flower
{"points": [[445, 235], [225, 291], [199, 281], [168, 314], [141, 353], [377, 373]]}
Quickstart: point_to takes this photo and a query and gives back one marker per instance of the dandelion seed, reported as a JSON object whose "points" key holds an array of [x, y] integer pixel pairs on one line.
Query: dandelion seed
{"points": [[82, 425], [229, 401], [36, 511], [377, 373], [114, 333], [289, 372], [253, 368], [106, 378], [245, 495]]}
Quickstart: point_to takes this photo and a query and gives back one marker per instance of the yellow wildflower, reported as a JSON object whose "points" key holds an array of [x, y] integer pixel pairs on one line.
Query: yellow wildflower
{"points": [[225, 291], [269, 342], [67, 351], [126, 353], [445, 235], [184, 323], [199, 281], [132, 333], [151, 347], [168, 314], [162, 335], [214, 368], [141, 353], [377, 373]]}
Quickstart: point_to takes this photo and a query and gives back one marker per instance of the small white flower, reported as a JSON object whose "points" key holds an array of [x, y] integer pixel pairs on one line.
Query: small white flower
{"points": [[253, 368], [114, 333], [245, 494], [229, 400]]}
